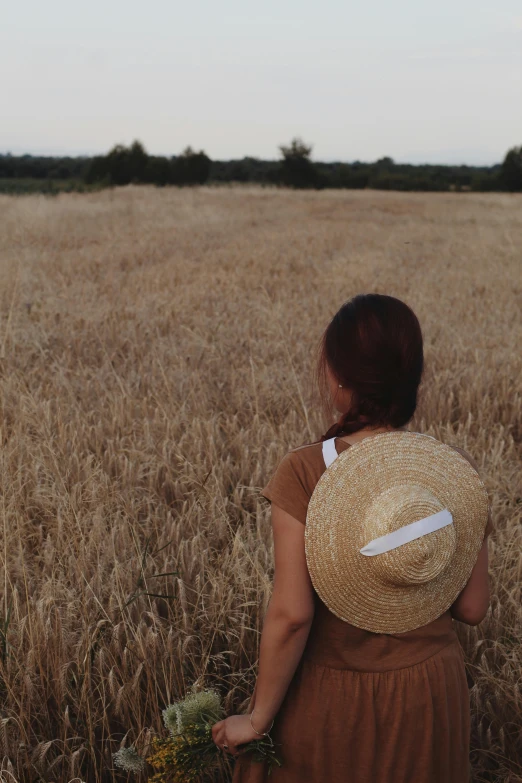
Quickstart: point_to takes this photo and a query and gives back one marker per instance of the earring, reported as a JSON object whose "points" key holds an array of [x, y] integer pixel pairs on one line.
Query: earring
{"points": [[340, 386]]}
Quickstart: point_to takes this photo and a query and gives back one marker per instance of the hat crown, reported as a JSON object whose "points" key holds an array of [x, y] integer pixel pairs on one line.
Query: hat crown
{"points": [[416, 562], [403, 477]]}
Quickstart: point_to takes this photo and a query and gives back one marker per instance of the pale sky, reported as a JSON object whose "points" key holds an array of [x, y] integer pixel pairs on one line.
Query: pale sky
{"points": [[419, 80]]}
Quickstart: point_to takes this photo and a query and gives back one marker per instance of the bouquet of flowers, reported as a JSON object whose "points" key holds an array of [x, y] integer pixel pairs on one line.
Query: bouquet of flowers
{"points": [[189, 751]]}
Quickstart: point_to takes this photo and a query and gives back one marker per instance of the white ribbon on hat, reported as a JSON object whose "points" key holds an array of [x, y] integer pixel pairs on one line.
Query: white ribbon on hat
{"points": [[408, 533]]}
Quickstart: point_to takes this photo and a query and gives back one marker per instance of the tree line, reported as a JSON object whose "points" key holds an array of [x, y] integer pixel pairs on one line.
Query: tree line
{"points": [[294, 168]]}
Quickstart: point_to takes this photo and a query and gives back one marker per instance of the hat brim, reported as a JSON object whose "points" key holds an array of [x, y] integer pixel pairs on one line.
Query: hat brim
{"points": [[334, 534]]}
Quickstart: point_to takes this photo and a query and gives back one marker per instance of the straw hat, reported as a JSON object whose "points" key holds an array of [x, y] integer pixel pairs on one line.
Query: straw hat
{"points": [[393, 530]]}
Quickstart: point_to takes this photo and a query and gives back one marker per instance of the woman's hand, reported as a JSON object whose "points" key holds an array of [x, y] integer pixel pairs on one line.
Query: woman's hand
{"points": [[232, 732]]}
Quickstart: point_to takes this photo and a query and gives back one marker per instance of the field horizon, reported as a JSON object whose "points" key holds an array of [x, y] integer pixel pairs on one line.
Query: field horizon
{"points": [[157, 349]]}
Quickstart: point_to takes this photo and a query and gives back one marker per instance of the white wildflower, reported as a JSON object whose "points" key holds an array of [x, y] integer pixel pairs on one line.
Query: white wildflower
{"points": [[200, 707], [203, 706], [172, 718], [129, 759]]}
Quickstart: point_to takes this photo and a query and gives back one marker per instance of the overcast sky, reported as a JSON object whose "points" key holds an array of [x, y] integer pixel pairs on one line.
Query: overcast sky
{"points": [[436, 81]]}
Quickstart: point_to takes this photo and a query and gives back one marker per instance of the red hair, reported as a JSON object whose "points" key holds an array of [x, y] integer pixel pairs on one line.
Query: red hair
{"points": [[373, 347]]}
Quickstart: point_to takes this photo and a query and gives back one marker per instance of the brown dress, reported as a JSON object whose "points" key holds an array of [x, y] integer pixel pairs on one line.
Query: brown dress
{"points": [[365, 707]]}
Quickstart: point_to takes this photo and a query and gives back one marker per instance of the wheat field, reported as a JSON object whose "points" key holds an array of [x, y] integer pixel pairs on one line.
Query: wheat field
{"points": [[157, 350]]}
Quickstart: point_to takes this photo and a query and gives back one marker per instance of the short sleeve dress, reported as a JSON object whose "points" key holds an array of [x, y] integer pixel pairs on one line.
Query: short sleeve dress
{"points": [[365, 707]]}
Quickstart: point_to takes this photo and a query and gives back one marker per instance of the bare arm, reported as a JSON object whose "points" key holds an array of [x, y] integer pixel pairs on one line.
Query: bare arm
{"points": [[288, 619], [472, 604], [285, 631]]}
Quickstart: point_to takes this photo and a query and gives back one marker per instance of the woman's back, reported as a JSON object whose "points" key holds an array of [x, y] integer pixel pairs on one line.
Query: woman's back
{"points": [[332, 641], [361, 700]]}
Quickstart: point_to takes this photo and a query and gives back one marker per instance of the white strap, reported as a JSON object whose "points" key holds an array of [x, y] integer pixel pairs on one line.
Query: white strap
{"points": [[329, 451], [408, 533]]}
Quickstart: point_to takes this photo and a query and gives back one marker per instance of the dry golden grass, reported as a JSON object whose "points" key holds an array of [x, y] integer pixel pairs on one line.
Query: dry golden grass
{"points": [[156, 359]]}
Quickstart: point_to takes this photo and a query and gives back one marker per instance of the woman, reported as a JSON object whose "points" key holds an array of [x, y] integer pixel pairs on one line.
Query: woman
{"points": [[345, 703]]}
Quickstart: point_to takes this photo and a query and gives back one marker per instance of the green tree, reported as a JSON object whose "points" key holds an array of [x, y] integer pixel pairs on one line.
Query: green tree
{"points": [[297, 169], [121, 166], [511, 171], [137, 161], [191, 168], [158, 171]]}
